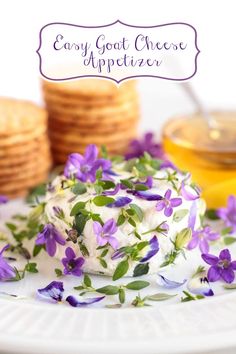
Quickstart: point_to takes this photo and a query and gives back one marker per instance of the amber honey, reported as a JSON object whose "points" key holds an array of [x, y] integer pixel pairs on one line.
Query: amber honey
{"points": [[208, 153]]}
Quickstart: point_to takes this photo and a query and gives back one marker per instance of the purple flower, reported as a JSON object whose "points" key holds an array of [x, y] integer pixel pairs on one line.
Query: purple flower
{"points": [[72, 265], [3, 199], [147, 195], [154, 248], [199, 285], [120, 253], [221, 267], [53, 291], [114, 191], [50, 237], [167, 203], [148, 182], [73, 301], [119, 202], [169, 284], [201, 237], [228, 214], [6, 271], [85, 167], [138, 147], [104, 233], [59, 213], [188, 192]]}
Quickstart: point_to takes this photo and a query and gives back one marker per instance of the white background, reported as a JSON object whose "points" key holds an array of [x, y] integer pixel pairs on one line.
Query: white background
{"points": [[21, 20]]}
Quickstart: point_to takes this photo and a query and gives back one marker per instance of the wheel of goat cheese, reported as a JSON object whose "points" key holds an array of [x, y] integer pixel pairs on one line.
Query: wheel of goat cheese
{"points": [[123, 218]]}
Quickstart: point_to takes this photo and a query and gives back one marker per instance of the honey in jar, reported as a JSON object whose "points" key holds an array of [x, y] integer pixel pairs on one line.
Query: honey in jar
{"points": [[209, 153]]}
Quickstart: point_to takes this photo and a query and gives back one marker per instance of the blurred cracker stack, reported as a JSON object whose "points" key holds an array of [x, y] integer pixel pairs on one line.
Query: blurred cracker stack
{"points": [[91, 111], [24, 147]]}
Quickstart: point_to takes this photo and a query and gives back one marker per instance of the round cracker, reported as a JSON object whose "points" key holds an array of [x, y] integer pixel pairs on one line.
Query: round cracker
{"points": [[53, 99], [87, 88], [92, 112], [17, 117], [42, 163], [22, 138], [55, 126], [85, 139], [23, 148], [19, 159], [82, 121]]}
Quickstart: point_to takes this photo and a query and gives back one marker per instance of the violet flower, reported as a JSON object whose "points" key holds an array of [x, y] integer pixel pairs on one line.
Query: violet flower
{"points": [[120, 253], [72, 265], [50, 236], [104, 233], [73, 301], [199, 285], [6, 271], [167, 203], [3, 199], [147, 195], [120, 202], [201, 238], [112, 192], [53, 291], [154, 248], [148, 182], [228, 214], [147, 144], [169, 284], [221, 267], [85, 167], [189, 193]]}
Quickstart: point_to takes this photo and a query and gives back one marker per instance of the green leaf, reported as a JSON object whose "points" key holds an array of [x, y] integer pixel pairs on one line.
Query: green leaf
{"points": [[127, 183], [113, 306], [180, 214], [97, 217], [79, 188], [79, 287], [107, 184], [229, 240], [141, 269], [58, 272], [182, 238], [102, 200], [87, 281], [104, 253], [37, 249], [121, 296], [98, 189], [31, 268], [231, 286], [80, 221], [137, 285], [138, 211], [121, 270], [121, 220], [108, 290], [102, 262], [104, 153], [11, 227], [77, 207], [141, 245], [226, 231], [132, 222], [141, 187], [211, 214], [160, 297]]}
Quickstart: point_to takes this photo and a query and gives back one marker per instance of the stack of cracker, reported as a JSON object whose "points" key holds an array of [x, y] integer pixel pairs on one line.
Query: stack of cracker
{"points": [[24, 147], [90, 111]]}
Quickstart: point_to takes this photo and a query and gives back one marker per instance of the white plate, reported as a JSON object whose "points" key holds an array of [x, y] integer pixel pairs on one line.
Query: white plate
{"points": [[32, 326]]}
